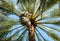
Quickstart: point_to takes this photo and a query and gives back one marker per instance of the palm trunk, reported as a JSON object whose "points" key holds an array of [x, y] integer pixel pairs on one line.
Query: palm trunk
{"points": [[31, 33]]}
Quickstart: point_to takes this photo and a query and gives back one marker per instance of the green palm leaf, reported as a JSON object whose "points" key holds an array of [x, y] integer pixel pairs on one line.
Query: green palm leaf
{"points": [[11, 7]]}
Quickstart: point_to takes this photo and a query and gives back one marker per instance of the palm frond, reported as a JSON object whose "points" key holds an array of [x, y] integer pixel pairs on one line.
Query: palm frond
{"points": [[9, 6], [51, 21], [44, 7], [21, 36], [55, 13], [54, 36], [37, 4], [13, 35], [50, 3], [39, 36], [3, 17], [6, 24], [47, 28], [50, 32]]}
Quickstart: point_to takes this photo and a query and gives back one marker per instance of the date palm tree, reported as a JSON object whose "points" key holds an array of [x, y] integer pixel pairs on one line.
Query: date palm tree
{"points": [[38, 20]]}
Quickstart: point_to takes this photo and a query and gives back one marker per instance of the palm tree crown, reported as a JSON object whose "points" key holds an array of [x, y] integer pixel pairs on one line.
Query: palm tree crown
{"points": [[38, 20]]}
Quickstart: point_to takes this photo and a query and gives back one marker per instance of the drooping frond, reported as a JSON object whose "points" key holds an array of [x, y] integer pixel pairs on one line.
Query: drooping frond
{"points": [[50, 32], [9, 6], [7, 24]]}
